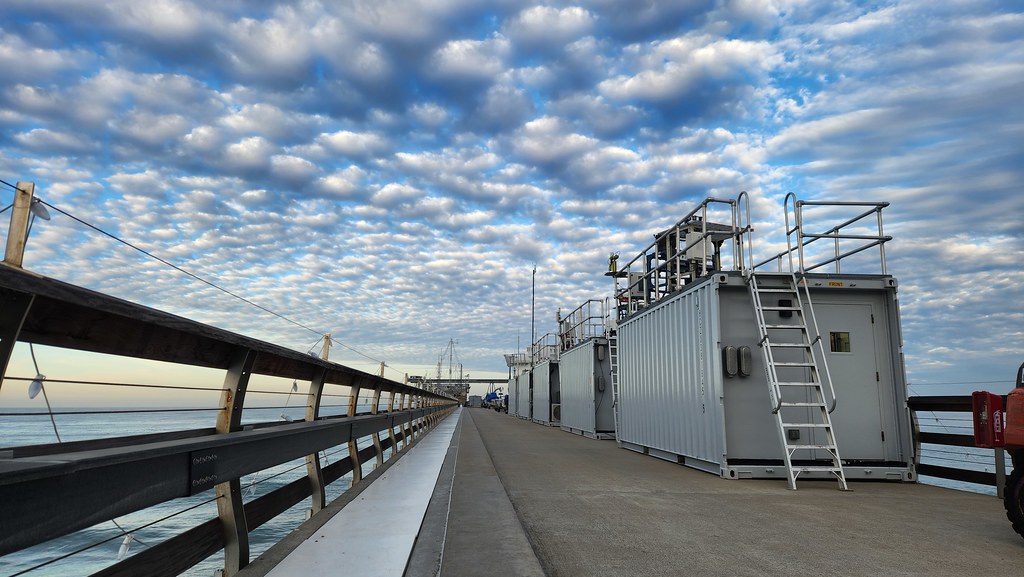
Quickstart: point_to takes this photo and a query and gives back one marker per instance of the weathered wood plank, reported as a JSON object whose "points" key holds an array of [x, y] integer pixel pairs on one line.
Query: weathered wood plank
{"points": [[48, 496], [946, 439], [67, 316], [980, 477]]}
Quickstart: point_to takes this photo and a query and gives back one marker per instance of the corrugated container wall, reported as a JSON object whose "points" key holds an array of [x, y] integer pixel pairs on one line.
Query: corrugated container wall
{"points": [[670, 386], [585, 380], [524, 394], [513, 396], [545, 390]]}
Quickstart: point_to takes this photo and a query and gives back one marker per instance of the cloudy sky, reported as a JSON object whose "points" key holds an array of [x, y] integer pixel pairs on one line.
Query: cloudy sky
{"points": [[391, 171]]}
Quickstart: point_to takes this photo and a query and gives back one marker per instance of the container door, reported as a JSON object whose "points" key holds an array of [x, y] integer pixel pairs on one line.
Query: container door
{"points": [[848, 332]]}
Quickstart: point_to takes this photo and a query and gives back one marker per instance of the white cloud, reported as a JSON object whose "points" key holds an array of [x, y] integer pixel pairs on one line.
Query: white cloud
{"points": [[249, 153], [671, 69], [471, 58], [546, 24], [353, 144], [392, 195]]}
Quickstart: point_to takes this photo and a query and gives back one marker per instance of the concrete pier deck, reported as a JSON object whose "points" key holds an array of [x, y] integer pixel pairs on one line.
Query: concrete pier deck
{"points": [[516, 498]]}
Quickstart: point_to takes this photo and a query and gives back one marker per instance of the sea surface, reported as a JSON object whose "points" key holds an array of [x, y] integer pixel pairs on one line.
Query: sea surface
{"points": [[171, 518], [174, 517]]}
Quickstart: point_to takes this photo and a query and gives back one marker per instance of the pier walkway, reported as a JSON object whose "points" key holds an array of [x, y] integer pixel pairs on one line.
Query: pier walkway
{"points": [[516, 498]]}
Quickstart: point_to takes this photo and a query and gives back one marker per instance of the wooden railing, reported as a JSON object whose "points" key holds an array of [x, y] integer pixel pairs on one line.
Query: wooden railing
{"points": [[52, 490], [952, 404]]}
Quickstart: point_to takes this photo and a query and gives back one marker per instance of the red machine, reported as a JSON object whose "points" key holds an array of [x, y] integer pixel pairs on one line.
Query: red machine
{"points": [[988, 419], [992, 430]]}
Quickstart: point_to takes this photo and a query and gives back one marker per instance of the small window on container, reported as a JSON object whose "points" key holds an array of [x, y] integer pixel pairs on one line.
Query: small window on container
{"points": [[839, 342]]}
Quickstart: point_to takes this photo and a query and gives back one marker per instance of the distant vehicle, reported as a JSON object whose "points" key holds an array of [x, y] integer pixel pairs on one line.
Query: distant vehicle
{"points": [[475, 401], [496, 400]]}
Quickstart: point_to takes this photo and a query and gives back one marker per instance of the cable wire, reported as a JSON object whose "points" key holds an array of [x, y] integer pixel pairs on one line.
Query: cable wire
{"points": [[202, 280], [181, 270], [98, 543]]}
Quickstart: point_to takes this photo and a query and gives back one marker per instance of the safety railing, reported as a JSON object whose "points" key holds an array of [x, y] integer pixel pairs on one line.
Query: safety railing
{"points": [[861, 232], [545, 349], [584, 322], [58, 489], [688, 250], [949, 439]]}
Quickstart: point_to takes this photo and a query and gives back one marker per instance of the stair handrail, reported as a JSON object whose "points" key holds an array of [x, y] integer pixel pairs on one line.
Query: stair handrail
{"points": [[773, 378], [742, 209], [797, 228], [817, 334]]}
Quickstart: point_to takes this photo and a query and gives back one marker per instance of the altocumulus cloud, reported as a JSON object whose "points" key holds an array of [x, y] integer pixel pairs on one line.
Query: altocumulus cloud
{"points": [[392, 171]]}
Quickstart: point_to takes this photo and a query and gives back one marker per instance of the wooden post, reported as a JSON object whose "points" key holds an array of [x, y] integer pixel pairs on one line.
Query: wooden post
{"points": [[326, 351], [391, 429], [313, 468], [376, 434], [230, 508], [353, 447], [18, 232], [1000, 472], [405, 434], [14, 307]]}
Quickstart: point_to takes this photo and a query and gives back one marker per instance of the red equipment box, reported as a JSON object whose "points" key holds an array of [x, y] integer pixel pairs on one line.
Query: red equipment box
{"points": [[1015, 418], [988, 419]]}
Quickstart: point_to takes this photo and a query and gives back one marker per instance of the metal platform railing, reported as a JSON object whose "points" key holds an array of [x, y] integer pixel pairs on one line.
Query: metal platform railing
{"points": [[584, 322], [860, 232], [679, 255], [545, 349]]}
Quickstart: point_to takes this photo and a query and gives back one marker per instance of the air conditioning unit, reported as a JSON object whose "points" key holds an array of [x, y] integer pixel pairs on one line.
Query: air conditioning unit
{"points": [[556, 412]]}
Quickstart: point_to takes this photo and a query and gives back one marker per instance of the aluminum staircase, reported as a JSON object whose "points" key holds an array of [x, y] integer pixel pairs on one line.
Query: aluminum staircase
{"points": [[794, 379], [613, 355]]}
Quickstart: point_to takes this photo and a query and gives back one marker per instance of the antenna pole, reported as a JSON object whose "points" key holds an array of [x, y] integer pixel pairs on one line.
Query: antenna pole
{"points": [[533, 308]]}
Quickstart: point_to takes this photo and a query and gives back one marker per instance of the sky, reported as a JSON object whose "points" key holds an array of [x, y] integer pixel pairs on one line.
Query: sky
{"points": [[391, 172]]}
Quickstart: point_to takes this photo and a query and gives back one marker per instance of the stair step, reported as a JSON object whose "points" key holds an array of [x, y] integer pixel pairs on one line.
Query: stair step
{"points": [[802, 404], [798, 384], [789, 345], [806, 365], [800, 327], [817, 470], [824, 447], [781, 309], [776, 290], [807, 425]]}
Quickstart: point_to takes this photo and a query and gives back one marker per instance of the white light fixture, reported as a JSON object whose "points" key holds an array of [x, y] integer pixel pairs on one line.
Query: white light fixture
{"points": [[39, 209], [125, 545], [36, 385]]}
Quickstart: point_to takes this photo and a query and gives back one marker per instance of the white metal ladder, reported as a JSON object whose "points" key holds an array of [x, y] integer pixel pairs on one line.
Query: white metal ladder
{"points": [[613, 355], [790, 365]]}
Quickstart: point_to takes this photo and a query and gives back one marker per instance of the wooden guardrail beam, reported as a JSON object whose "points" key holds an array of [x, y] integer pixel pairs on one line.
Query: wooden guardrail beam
{"points": [[52, 495]]}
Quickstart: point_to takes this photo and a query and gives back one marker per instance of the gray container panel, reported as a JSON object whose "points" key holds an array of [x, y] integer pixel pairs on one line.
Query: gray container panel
{"points": [[586, 389], [868, 421], [670, 381], [526, 394], [576, 368], [512, 395], [542, 377]]}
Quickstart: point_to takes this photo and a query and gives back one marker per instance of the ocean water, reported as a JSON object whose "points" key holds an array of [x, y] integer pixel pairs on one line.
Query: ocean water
{"points": [[167, 519]]}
